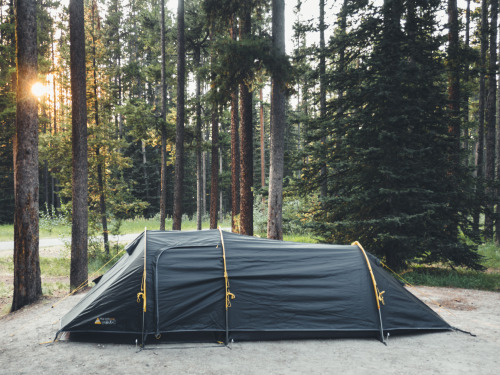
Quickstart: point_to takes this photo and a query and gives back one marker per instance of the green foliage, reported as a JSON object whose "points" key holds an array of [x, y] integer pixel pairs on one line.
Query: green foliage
{"points": [[389, 181], [7, 113], [52, 219], [293, 219], [491, 255]]}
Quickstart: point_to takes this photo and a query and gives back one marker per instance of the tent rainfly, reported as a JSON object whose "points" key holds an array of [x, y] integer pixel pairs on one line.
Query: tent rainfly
{"points": [[215, 285]]}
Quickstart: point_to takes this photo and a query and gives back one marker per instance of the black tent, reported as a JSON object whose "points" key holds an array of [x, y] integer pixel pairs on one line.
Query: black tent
{"points": [[215, 285]]}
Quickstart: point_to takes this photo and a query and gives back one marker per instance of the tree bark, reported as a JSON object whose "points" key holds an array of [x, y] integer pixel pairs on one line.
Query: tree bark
{"points": [[163, 170], [246, 139], [262, 146], [481, 113], [100, 177], [322, 91], [199, 142], [27, 279], [490, 125], [214, 192], [145, 168], [79, 228], [466, 129], [179, 137], [278, 123], [235, 153]]}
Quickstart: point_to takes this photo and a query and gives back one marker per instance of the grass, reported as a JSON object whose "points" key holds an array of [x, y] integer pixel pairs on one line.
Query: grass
{"points": [[137, 225], [58, 228], [459, 278]]}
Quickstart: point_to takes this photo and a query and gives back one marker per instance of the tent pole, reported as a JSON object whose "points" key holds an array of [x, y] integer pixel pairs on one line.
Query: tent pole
{"points": [[144, 305], [378, 295], [229, 295]]}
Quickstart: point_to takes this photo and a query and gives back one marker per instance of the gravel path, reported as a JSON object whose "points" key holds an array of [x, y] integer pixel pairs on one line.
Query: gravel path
{"points": [[436, 353], [7, 247]]}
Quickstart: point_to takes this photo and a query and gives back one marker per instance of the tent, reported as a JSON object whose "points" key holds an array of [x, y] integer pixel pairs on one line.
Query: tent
{"points": [[221, 286]]}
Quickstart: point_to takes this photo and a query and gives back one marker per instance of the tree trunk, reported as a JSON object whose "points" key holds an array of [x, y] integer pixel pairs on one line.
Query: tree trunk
{"points": [[163, 170], [214, 192], [246, 139], [221, 207], [235, 153], [490, 125], [278, 123], [322, 91], [262, 146], [466, 129], [199, 141], [145, 168], [179, 137], [454, 68], [481, 113], [204, 158], [454, 79], [79, 228], [27, 280], [100, 177]]}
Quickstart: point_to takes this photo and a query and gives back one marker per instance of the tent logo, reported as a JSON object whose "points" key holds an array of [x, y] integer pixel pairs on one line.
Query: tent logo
{"points": [[105, 321]]}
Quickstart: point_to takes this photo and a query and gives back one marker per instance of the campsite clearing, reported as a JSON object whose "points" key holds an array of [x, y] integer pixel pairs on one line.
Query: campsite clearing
{"points": [[436, 353]]}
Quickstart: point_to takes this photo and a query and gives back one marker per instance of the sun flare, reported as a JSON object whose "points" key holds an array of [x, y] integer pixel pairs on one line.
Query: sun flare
{"points": [[38, 89]]}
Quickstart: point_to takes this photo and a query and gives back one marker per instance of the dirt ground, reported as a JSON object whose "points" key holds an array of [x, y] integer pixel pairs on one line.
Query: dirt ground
{"points": [[23, 333]]}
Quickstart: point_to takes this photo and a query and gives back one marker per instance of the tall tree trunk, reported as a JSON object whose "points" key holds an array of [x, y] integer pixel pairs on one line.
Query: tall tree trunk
{"points": [[163, 170], [235, 152], [179, 137], [481, 113], [262, 146], [246, 139], [322, 91], [466, 130], [27, 280], [54, 181], [79, 228], [454, 79], [145, 168], [214, 192], [199, 142], [490, 125], [100, 177], [221, 206], [45, 169], [204, 158], [278, 123], [496, 191], [454, 68]]}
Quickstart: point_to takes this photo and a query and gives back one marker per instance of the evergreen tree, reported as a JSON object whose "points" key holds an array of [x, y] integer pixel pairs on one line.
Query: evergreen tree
{"points": [[391, 188], [79, 228]]}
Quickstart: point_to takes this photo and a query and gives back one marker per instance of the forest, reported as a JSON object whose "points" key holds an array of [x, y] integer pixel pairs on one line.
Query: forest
{"points": [[360, 120]]}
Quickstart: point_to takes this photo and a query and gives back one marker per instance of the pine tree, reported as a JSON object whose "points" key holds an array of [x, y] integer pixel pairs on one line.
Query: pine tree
{"points": [[79, 228], [391, 188], [278, 124], [179, 137], [27, 278]]}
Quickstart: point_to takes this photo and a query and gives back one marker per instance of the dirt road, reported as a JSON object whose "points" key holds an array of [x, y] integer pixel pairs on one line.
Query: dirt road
{"points": [[437, 353]]}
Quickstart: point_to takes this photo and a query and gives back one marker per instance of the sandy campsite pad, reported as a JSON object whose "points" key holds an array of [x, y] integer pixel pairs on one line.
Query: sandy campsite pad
{"points": [[436, 353]]}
